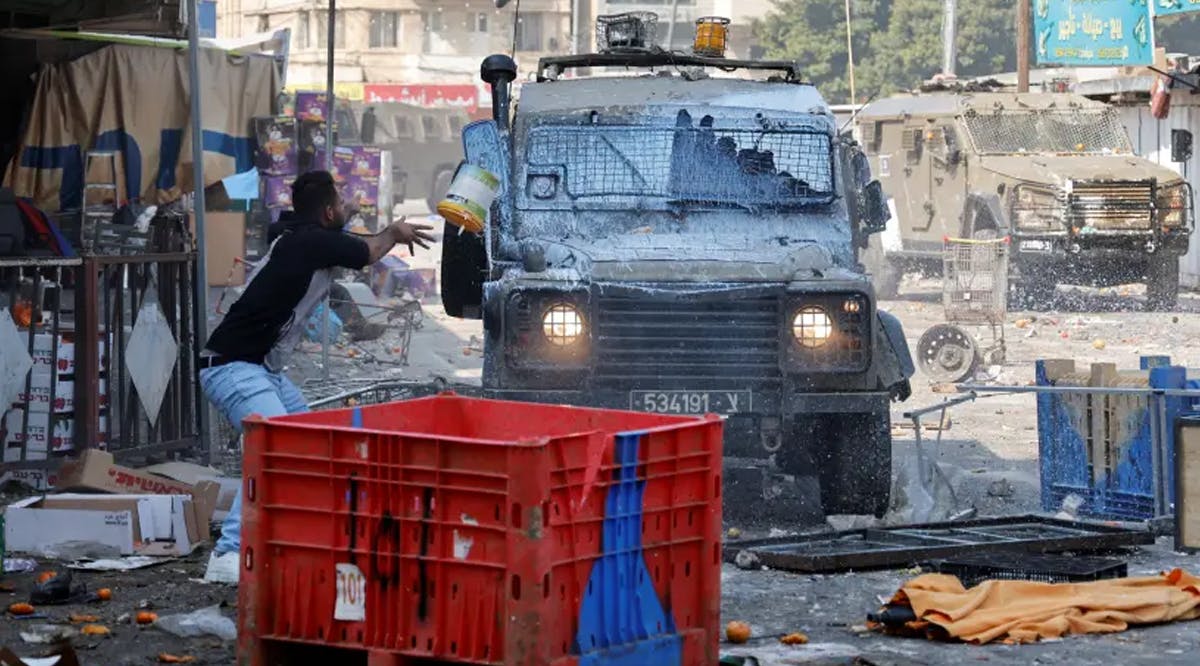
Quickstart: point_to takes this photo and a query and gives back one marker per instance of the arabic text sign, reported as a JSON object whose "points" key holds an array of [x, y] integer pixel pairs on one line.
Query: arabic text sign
{"points": [[1093, 32], [463, 96], [1168, 7]]}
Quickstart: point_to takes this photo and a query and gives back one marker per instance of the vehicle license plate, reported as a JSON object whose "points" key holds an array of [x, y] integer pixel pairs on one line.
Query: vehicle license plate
{"points": [[690, 402]]}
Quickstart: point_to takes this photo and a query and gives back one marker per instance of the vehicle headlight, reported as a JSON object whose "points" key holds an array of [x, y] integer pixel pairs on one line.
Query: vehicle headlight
{"points": [[562, 324], [1037, 209], [812, 326], [1174, 202]]}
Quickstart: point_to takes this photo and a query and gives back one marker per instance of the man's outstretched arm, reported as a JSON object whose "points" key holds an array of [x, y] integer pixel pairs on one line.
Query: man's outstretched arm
{"points": [[397, 233]]}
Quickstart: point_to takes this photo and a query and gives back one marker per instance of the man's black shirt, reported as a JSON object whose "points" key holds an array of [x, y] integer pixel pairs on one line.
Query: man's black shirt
{"points": [[282, 290]]}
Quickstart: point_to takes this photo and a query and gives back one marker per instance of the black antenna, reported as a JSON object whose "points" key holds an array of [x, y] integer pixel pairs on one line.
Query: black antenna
{"points": [[516, 23], [855, 114]]}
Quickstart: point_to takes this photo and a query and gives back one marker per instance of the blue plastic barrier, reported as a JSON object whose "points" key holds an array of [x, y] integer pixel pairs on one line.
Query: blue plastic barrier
{"points": [[1098, 446]]}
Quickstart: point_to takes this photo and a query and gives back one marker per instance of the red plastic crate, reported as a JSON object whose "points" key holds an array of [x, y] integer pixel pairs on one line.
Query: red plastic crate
{"points": [[482, 532]]}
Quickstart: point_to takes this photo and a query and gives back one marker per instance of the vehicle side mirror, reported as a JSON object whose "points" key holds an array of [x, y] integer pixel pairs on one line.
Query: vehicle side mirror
{"points": [[1181, 145], [875, 208], [862, 168]]}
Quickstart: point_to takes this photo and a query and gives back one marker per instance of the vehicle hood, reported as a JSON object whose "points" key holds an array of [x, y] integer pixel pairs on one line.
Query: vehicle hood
{"points": [[694, 258], [1058, 169]]}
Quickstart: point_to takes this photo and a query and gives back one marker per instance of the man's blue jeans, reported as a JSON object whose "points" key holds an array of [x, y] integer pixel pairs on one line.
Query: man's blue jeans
{"points": [[239, 390]]}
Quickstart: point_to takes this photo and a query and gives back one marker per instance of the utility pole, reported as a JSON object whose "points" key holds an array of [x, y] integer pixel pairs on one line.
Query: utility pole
{"points": [[1024, 16], [330, 115], [850, 53], [671, 25], [949, 31]]}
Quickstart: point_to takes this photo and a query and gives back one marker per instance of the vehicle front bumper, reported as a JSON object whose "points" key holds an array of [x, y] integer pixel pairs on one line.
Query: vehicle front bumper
{"points": [[1100, 258]]}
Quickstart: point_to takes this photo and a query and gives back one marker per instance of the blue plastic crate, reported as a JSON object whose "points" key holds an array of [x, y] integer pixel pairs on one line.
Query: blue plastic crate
{"points": [[1098, 446]]}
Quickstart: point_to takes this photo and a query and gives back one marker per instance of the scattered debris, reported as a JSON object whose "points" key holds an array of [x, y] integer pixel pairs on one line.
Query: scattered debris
{"points": [[795, 638], [104, 594], [76, 618], [21, 609], [1070, 507], [902, 545], [121, 564], [95, 630], [199, 623], [734, 533], [737, 632], [62, 655], [746, 559], [146, 617], [19, 565], [1000, 488], [48, 634], [986, 613], [165, 658], [1098, 343], [55, 587]]}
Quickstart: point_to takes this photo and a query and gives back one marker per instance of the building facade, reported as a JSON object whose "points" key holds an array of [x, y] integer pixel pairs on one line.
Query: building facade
{"points": [[401, 42]]}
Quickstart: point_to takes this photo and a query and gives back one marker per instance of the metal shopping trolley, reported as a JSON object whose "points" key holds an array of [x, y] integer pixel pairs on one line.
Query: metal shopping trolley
{"points": [[975, 301]]}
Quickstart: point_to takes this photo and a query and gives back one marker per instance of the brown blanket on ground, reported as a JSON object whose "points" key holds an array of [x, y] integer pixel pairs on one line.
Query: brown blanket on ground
{"points": [[1023, 612]]}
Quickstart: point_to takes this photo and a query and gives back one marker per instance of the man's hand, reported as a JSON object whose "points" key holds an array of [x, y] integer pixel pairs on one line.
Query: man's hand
{"points": [[404, 233]]}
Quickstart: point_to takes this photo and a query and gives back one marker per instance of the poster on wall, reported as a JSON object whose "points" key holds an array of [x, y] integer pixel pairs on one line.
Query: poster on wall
{"points": [[1096, 33]]}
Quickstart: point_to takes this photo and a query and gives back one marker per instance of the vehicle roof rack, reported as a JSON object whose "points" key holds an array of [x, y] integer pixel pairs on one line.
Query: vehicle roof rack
{"points": [[550, 68]]}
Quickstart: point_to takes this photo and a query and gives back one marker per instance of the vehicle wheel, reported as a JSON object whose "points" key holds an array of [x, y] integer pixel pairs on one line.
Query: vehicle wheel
{"points": [[441, 185], [885, 273], [850, 454], [946, 353], [1162, 284]]}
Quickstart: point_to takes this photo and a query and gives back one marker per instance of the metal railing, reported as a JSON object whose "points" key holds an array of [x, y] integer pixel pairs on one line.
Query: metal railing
{"points": [[113, 348]]}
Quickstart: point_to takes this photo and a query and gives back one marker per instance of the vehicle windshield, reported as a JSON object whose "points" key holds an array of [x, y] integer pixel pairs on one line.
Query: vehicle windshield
{"points": [[753, 168], [1078, 131]]}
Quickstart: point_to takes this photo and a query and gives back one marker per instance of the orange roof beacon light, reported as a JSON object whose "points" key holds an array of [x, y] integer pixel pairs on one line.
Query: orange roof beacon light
{"points": [[711, 33]]}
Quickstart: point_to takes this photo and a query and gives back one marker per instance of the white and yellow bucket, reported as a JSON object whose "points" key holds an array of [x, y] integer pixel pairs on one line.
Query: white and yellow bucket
{"points": [[470, 197]]}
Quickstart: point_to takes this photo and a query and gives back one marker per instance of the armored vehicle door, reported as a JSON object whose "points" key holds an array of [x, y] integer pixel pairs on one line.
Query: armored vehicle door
{"points": [[947, 177]]}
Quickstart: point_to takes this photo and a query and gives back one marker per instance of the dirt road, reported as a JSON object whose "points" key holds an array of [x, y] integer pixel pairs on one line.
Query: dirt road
{"points": [[991, 440]]}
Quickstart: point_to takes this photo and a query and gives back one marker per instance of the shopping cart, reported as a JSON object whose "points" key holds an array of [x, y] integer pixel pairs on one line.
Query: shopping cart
{"points": [[975, 301]]}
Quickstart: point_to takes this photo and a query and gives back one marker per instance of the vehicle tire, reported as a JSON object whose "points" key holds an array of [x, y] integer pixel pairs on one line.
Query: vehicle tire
{"points": [[850, 454], [441, 185], [1162, 284], [885, 273], [947, 353]]}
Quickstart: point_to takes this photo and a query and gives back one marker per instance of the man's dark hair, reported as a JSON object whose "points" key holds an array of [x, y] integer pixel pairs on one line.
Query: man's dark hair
{"points": [[313, 191]]}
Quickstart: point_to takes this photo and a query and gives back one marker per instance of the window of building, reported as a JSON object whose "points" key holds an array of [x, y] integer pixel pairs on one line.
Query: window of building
{"points": [[339, 28], [302, 29], [403, 128], [481, 22], [430, 125], [529, 33], [432, 21], [384, 29], [264, 23], [456, 125]]}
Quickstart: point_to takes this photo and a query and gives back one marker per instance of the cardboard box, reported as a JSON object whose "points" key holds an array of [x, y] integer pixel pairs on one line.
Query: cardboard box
{"points": [[46, 360], [157, 525], [225, 241], [195, 474], [38, 397], [38, 479], [36, 438], [97, 470]]}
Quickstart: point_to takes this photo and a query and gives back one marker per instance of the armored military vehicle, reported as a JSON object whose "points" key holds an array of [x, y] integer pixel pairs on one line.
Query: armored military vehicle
{"points": [[671, 242], [1054, 172]]}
